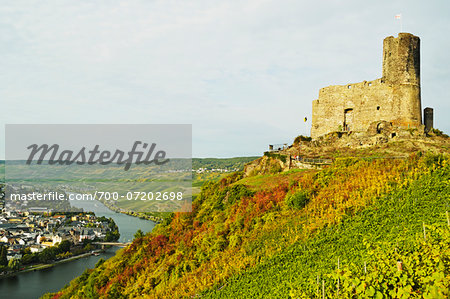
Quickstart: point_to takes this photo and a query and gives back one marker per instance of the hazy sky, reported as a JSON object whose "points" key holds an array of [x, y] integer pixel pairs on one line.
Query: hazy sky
{"points": [[243, 73]]}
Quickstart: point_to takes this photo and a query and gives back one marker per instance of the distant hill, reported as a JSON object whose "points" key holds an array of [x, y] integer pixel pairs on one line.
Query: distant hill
{"points": [[236, 163]]}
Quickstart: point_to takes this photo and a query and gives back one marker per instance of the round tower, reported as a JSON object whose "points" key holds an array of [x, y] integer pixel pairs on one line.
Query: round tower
{"points": [[401, 59], [401, 71]]}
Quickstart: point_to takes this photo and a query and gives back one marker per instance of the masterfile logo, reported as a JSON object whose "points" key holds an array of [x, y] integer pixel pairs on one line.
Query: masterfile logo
{"points": [[83, 156], [130, 168]]}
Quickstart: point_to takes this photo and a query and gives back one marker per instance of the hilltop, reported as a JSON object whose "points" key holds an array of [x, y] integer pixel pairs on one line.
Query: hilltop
{"points": [[282, 234], [314, 154]]}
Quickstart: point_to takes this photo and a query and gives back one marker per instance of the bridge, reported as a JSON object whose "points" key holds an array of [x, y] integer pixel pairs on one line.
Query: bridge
{"points": [[118, 244]]}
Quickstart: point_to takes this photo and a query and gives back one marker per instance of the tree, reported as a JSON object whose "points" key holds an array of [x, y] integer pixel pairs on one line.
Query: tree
{"points": [[47, 255], [28, 258], [14, 264], [26, 251], [64, 246], [88, 247], [100, 261], [3, 256], [139, 234], [112, 236]]}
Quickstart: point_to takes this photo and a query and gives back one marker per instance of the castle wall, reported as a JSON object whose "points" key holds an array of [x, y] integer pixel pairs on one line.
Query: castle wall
{"points": [[394, 98], [351, 107]]}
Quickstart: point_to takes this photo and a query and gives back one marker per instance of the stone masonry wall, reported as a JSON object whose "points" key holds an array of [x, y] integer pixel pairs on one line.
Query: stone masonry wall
{"points": [[394, 98]]}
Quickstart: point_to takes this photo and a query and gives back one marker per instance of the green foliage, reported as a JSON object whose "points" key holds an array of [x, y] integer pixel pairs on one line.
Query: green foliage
{"points": [[438, 132], [113, 234], [297, 199], [216, 198], [235, 240], [139, 234], [28, 259], [240, 241], [64, 246], [300, 138], [198, 179], [3, 256], [280, 157], [433, 160], [275, 168], [378, 235], [236, 192], [14, 264], [99, 263], [64, 255], [26, 251], [340, 165], [168, 219], [423, 271], [88, 247], [223, 163], [48, 254]]}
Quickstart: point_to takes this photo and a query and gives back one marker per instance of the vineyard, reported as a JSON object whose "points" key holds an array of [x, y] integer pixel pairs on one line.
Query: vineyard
{"points": [[368, 247], [359, 228]]}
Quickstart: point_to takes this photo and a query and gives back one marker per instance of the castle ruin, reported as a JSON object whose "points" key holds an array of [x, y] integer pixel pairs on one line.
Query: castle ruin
{"points": [[392, 101]]}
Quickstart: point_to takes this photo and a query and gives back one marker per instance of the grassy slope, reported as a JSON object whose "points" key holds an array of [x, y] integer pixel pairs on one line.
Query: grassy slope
{"points": [[250, 233], [396, 218]]}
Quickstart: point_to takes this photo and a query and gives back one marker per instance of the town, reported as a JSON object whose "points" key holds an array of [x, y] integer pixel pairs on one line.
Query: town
{"points": [[29, 238]]}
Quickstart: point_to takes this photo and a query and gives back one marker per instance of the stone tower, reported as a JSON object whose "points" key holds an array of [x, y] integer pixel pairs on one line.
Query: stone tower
{"points": [[401, 70], [401, 59], [393, 99]]}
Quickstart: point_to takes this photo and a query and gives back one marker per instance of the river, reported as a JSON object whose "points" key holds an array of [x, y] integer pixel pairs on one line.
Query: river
{"points": [[35, 284]]}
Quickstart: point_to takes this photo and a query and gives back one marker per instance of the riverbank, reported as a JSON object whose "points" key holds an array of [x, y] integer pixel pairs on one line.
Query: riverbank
{"points": [[34, 284], [50, 265], [140, 215]]}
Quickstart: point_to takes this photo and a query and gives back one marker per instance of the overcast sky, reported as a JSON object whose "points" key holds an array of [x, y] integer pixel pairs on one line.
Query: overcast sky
{"points": [[243, 73]]}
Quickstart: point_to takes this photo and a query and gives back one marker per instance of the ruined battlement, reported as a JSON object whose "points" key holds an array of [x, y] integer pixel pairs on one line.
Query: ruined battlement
{"points": [[394, 98], [355, 86]]}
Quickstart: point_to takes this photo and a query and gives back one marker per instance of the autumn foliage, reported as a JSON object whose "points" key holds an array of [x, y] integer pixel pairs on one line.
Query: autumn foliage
{"points": [[238, 222]]}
